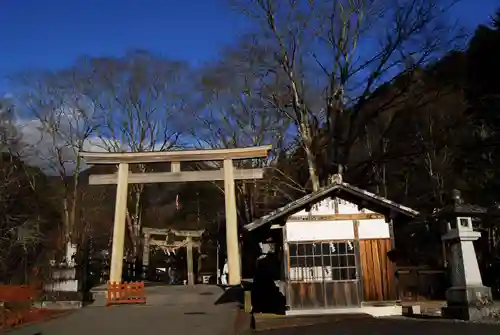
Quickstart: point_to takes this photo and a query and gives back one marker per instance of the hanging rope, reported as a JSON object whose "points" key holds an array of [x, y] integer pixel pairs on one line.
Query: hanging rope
{"points": [[169, 249]]}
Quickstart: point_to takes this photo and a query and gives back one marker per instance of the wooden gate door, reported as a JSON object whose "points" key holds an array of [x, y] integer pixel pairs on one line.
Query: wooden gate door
{"points": [[378, 273], [323, 275]]}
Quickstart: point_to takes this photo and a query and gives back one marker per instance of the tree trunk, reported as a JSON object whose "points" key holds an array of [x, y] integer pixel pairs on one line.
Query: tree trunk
{"points": [[74, 195], [312, 166], [66, 236], [310, 156], [131, 231]]}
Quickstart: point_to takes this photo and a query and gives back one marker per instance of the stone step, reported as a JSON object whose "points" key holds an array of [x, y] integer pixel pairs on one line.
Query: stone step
{"points": [[96, 294], [427, 308], [99, 301], [59, 305]]}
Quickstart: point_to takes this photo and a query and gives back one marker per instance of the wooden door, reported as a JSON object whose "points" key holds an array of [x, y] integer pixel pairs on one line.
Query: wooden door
{"points": [[377, 272]]}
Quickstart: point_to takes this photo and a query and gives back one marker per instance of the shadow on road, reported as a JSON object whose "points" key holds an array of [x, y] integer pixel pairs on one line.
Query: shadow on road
{"points": [[265, 295], [231, 295]]}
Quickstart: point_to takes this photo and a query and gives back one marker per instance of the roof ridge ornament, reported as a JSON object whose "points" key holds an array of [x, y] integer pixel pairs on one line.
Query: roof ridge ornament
{"points": [[457, 197], [336, 178]]}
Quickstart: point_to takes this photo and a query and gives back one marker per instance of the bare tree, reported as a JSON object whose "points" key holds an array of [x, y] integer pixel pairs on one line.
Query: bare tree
{"points": [[439, 149], [141, 99], [96, 208], [234, 114], [19, 229], [23, 213], [332, 55], [9, 134], [405, 146], [63, 119]]}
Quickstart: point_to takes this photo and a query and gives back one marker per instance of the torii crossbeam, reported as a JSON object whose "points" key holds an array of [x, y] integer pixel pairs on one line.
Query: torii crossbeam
{"points": [[123, 178]]}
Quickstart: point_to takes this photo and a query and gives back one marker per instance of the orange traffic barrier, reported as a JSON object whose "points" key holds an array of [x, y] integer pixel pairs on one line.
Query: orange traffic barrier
{"points": [[126, 293]]}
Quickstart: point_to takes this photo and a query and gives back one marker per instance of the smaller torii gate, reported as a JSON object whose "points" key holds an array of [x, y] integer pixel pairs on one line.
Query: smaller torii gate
{"points": [[189, 241], [228, 174]]}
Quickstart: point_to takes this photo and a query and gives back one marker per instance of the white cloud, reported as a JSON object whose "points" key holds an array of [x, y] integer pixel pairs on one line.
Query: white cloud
{"points": [[55, 138], [39, 148]]}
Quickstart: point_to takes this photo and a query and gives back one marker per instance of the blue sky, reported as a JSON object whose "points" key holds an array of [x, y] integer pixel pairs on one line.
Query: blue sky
{"points": [[53, 33]]}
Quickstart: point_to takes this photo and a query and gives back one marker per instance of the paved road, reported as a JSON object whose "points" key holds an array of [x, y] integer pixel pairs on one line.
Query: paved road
{"points": [[183, 310], [170, 310], [385, 326]]}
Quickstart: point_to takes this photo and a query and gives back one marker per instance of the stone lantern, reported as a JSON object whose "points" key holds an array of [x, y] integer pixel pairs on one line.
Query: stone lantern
{"points": [[467, 298]]}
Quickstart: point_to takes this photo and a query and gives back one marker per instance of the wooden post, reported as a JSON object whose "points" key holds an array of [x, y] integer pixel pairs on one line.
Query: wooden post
{"points": [[145, 250], [175, 167], [189, 254], [145, 256], [248, 301], [115, 275], [391, 233], [357, 257], [233, 254]]}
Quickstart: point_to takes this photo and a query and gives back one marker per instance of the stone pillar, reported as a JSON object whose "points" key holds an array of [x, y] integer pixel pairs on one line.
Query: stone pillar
{"points": [[467, 298]]}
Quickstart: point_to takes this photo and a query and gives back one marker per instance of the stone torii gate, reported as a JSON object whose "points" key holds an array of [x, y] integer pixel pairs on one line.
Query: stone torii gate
{"points": [[228, 174], [190, 240]]}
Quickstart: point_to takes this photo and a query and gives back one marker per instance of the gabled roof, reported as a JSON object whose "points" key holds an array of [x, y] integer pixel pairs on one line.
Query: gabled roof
{"points": [[458, 208], [345, 191]]}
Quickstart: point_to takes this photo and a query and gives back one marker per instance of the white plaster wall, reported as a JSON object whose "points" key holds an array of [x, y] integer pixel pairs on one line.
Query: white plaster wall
{"points": [[319, 230], [327, 207], [346, 207], [373, 229], [324, 207]]}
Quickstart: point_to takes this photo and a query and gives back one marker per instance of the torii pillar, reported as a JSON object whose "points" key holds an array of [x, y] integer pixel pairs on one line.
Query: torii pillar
{"points": [[232, 240], [116, 268]]}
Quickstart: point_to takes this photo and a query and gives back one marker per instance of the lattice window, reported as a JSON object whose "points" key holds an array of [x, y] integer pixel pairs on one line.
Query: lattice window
{"points": [[322, 261]]}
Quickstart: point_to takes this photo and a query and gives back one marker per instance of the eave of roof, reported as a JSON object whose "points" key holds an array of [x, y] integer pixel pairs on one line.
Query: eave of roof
{"points": [[460, 209], [323, 193]]}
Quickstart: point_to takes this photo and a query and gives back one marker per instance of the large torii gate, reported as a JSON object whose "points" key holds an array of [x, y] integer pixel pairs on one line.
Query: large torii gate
{"points": [[228, 174]]}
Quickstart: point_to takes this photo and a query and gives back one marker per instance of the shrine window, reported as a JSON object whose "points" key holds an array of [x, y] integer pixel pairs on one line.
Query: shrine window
{"points": [[322, 261]]}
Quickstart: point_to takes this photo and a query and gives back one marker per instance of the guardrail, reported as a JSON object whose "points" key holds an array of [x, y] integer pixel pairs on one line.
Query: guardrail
{"points": [[126, 293]]}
